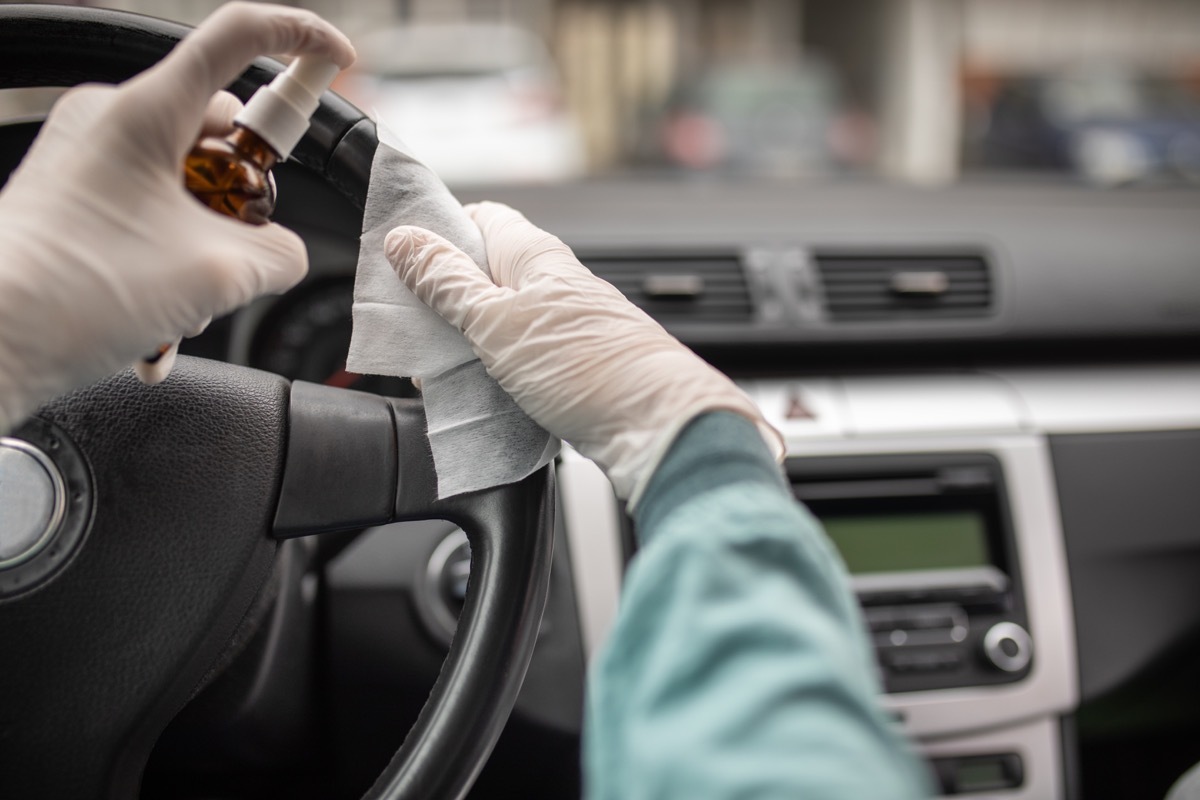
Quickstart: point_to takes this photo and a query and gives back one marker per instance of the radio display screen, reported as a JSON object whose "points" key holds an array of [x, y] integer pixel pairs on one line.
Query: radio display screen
{"points": [[904, 542]]}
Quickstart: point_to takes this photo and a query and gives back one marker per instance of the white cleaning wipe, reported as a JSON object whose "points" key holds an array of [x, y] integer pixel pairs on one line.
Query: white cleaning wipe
{"points": [[479, 437]]}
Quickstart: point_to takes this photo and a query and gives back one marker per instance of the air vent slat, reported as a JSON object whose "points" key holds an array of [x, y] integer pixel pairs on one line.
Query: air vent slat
{"points": [[857, 305], [681, 288], [963, 287], [884, 278], [904, 286]]}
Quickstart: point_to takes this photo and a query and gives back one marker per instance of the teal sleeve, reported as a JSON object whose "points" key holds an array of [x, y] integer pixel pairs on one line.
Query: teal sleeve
{"points": [[738, 666]]}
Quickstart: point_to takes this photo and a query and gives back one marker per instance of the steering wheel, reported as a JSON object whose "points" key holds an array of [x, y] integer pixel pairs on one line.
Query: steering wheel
{"points": [[163, 507]]}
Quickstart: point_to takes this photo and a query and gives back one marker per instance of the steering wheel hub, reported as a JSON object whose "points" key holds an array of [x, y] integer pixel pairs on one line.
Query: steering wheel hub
{"points": [[32, 501], [45, 506]]}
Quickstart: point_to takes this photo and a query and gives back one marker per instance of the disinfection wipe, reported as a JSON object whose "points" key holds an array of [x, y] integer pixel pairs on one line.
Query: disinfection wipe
{"points": [[479, 437]]}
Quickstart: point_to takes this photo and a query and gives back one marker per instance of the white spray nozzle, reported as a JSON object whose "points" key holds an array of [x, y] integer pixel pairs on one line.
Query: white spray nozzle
{"points": [[279, 112]]}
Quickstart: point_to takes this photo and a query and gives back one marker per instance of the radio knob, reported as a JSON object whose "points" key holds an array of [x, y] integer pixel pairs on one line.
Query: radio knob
{"points": [[1008, 647]]}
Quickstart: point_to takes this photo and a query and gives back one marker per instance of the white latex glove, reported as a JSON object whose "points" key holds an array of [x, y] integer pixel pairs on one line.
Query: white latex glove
{"points": [[104, 253], [580, 359]]}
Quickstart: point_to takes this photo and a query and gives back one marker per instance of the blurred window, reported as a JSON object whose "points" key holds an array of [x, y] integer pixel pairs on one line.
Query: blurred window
{"points": [[920, 90]]}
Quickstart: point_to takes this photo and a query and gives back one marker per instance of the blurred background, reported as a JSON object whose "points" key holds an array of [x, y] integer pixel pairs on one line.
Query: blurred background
{"points": [[928, 91]]}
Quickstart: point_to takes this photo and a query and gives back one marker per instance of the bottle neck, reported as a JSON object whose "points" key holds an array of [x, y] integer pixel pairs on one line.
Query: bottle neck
{"points": [[252, 146]]}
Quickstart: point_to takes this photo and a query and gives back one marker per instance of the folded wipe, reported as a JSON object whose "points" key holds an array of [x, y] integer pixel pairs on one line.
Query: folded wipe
{"points": [[479, 437]]}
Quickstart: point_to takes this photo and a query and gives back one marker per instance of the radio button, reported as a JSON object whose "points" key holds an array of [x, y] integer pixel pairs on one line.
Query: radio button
{"points": [[1007, 647]]}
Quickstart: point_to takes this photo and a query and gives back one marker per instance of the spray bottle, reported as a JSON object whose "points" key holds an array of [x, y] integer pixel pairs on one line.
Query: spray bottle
{"points": [[232, 174]]}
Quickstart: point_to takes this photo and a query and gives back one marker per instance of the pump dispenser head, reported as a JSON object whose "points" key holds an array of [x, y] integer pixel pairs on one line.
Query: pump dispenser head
{"points": [[279, 112]]}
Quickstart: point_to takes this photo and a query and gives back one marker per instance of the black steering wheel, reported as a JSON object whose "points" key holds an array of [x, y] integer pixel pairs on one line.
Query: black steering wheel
{"points": [[164, 508]]}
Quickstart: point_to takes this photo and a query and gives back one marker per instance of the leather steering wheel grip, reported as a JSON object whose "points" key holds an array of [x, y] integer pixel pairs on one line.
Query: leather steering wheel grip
{"points": [[356, 460], [66, 45], [510, 527]]}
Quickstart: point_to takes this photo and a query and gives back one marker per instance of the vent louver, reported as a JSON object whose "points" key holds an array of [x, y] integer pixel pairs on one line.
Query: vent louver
{"points": [[679, 288], [877, 287]]}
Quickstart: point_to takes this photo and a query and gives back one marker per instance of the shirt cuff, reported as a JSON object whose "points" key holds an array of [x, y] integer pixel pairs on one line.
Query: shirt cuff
{"points": [[715, 449]]}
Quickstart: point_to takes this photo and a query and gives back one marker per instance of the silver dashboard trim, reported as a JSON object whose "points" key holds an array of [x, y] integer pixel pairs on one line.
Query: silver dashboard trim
{"points": [[1108, 400], [593, 533], [930, 579], [1052, 684], [1038, 744]]}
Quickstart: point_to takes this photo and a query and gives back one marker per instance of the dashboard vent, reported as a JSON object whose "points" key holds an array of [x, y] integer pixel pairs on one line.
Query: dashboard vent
{"points": [[676, 288], [871, 287]]}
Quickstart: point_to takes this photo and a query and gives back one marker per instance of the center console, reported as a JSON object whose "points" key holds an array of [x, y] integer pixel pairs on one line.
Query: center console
{"points": [[929, 543], [939, 547], [940, 496], [939, 492]]}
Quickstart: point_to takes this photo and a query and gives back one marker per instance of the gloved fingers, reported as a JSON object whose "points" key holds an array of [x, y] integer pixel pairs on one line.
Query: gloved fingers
{"points": [[251, 260], [518, 251], [201, 328], [157, 372], [520, 255], [440, 275], [218, 51], [218, 116], [150, 374]]}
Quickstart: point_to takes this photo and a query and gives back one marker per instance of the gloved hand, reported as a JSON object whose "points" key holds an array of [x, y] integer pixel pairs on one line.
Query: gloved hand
{"points": [[105, 254], [580, 359]]}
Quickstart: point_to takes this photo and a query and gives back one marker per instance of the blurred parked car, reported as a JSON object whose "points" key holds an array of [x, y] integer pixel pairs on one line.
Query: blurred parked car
{"points": [[479, 103], [1108, 124], [780, 120]]}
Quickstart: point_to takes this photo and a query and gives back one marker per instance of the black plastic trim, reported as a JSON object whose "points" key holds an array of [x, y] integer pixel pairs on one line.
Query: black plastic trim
{"points": [[1129, 510], [342, 462]]}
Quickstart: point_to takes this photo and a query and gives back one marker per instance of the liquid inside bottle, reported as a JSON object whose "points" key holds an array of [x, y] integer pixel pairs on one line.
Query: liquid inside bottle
{"points": [[231, 175]]}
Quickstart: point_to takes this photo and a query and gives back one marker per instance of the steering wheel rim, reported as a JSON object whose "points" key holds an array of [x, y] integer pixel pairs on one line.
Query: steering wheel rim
{"points": [[509, 527], [69, 45]]}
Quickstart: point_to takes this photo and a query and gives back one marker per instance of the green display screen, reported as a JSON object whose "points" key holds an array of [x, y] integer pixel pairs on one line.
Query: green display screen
{"points": [[981, 775], [906, 542]]}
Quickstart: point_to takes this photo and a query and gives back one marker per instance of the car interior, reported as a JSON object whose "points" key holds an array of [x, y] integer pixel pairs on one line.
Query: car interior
{"points": [[990, 395]]}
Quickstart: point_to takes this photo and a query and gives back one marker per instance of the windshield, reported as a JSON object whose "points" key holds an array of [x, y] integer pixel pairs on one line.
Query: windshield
{"points": [[921, 91]]}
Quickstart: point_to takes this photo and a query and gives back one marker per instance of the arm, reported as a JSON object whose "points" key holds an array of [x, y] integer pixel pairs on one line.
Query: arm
{"points": [[737, 667]]}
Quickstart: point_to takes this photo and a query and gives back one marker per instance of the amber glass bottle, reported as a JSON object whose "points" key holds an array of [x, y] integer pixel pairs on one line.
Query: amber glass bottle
{"points": [[231, 175]]}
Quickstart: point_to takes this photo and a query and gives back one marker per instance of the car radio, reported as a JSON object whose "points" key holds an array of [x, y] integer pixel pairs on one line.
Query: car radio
{"points": [[929, 545]]}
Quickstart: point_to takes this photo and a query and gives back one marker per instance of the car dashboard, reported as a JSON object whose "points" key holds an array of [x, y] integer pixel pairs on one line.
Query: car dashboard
{"points": [[990, 395]]}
